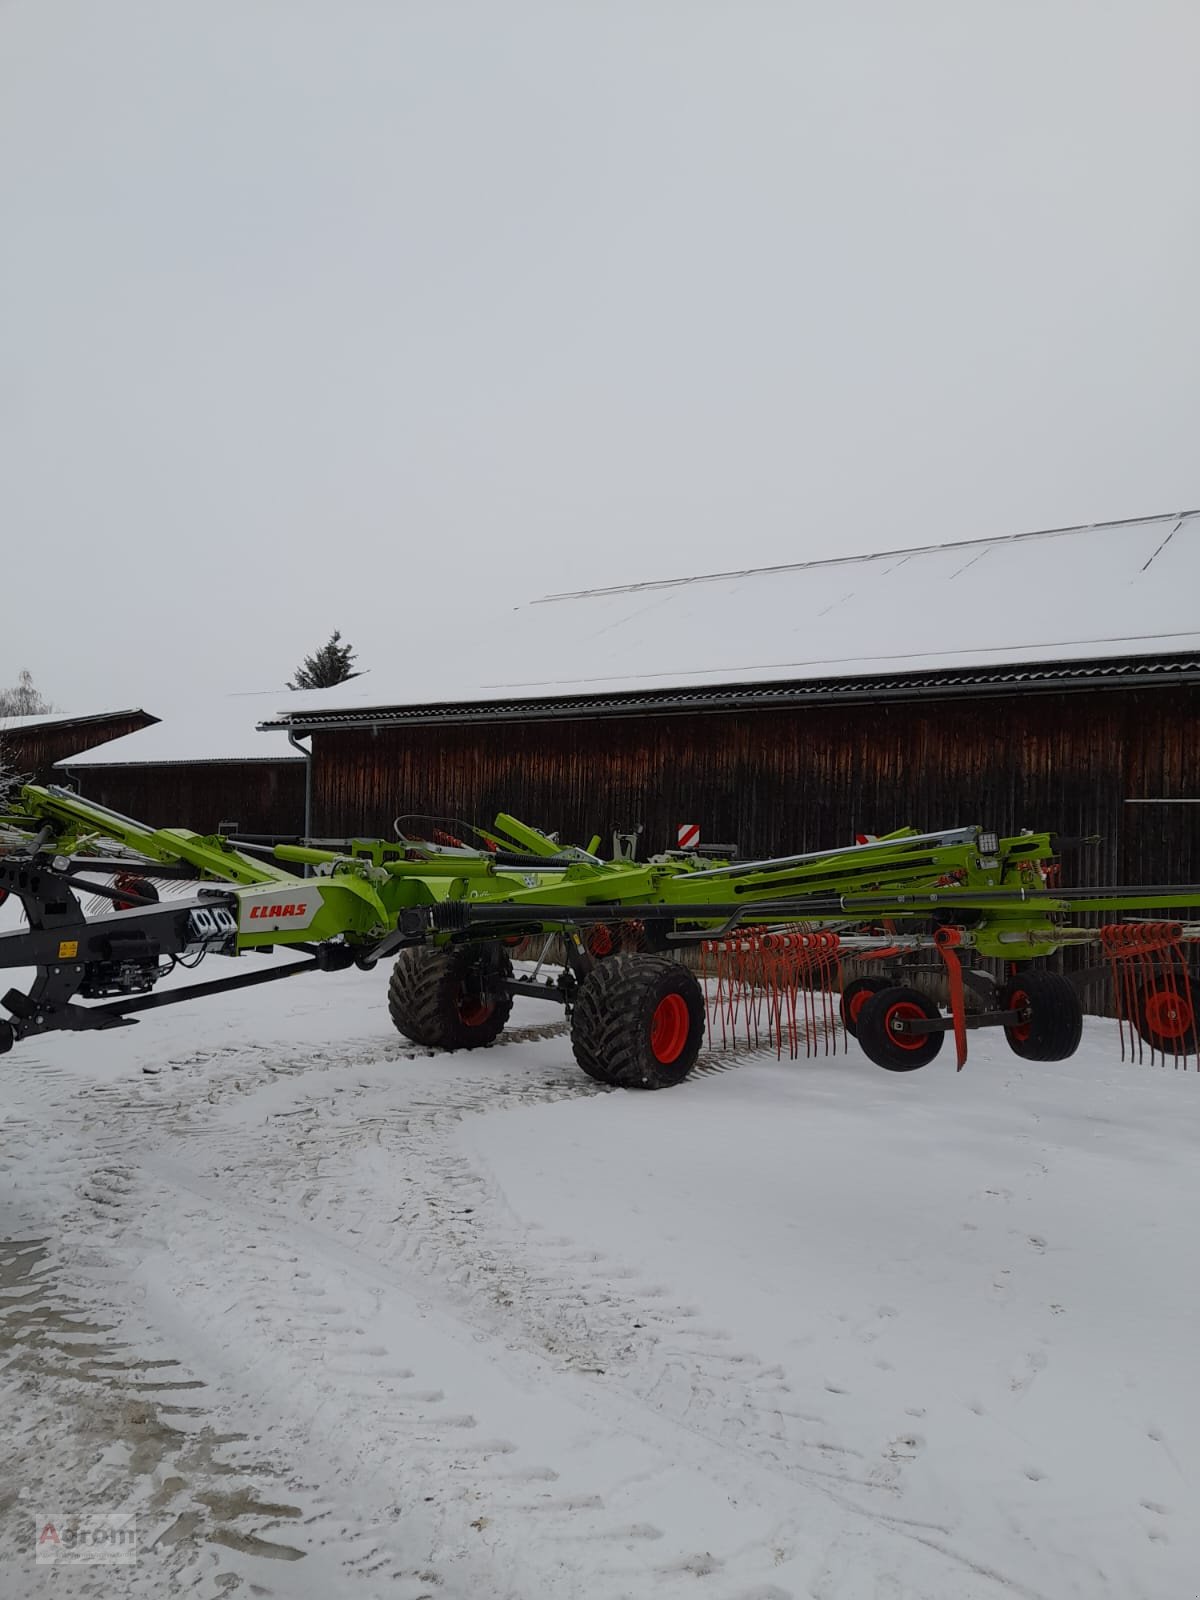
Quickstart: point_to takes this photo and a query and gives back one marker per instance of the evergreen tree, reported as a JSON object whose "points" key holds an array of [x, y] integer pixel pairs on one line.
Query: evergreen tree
{"points": [[333, 663]]}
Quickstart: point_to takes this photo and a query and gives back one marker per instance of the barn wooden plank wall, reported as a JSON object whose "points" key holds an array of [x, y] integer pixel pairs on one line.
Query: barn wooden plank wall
{"points": [[808, 777], [260, 796], [33, 751]]}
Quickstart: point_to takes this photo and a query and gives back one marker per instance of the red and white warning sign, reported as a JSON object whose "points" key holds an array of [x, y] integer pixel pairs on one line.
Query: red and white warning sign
{"points": [[689, 835]]}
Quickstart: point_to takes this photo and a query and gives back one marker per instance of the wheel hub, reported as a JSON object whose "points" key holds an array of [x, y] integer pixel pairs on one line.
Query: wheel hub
{"points": [[896, 1024], [1169, 1013], [1019, 1001], [669, 1028]]}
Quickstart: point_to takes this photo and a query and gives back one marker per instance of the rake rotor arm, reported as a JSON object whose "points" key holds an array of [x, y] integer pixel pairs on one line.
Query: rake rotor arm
{"points": [[1141, 897], [74, 823]]}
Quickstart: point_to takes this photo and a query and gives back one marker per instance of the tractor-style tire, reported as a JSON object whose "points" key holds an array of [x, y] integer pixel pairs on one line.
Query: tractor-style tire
{"points": [[638, 1022], [855, 996], [1165, 1013], [1055, 1024], [452, 998], [898, 1052]]}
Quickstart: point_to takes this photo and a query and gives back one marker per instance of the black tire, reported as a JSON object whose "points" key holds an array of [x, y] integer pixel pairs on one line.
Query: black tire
{"points": [[1165, 1013], [1055, 1024], [849, 1005], [898, 1052], [638, 1022], [452, 998]]}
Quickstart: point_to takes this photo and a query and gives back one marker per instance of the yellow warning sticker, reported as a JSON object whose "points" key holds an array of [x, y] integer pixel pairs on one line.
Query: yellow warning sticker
{"points": [[68, 949]]}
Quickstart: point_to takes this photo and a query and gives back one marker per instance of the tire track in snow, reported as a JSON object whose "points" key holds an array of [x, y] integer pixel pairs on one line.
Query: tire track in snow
{"points": [[402, 1431], [578, 1310], [567, 1301], [109, 1183], [59, 1363]]}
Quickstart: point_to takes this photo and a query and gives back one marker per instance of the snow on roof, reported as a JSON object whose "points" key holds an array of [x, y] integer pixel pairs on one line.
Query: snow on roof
{"points": [[223, 728], [46, 719], [1099, 591]]}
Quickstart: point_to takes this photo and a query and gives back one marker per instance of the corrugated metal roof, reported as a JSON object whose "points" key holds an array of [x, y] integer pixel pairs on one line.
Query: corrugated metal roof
{"points": [[932, 616], [1058, 677]]}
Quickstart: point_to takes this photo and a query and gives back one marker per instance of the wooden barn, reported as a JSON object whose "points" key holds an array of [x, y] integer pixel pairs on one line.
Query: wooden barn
{"points": [[202, 765], [31, 746], [1042, 681]]}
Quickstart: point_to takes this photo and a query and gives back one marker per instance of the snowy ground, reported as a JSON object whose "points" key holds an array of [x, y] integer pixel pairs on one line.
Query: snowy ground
{"points": [[337, 1318]]}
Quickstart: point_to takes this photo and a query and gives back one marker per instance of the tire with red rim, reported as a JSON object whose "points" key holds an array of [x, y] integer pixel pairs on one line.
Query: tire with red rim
{"points": [[453, 998], [855, 996], [132, 884], [881, 1032], [1165, 1014], [1053, 1023], [638, 1022]]}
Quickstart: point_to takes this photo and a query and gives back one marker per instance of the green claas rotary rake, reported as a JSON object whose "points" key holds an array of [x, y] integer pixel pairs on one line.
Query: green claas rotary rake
{"points": [[645, 957]]}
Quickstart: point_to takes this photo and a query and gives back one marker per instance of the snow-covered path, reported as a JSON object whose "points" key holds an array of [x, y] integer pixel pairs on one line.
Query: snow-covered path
{"points": [[340, 1318]]}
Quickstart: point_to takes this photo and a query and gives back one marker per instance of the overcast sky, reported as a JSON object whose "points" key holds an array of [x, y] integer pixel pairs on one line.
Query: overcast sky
{"points": [[380, 315]]}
